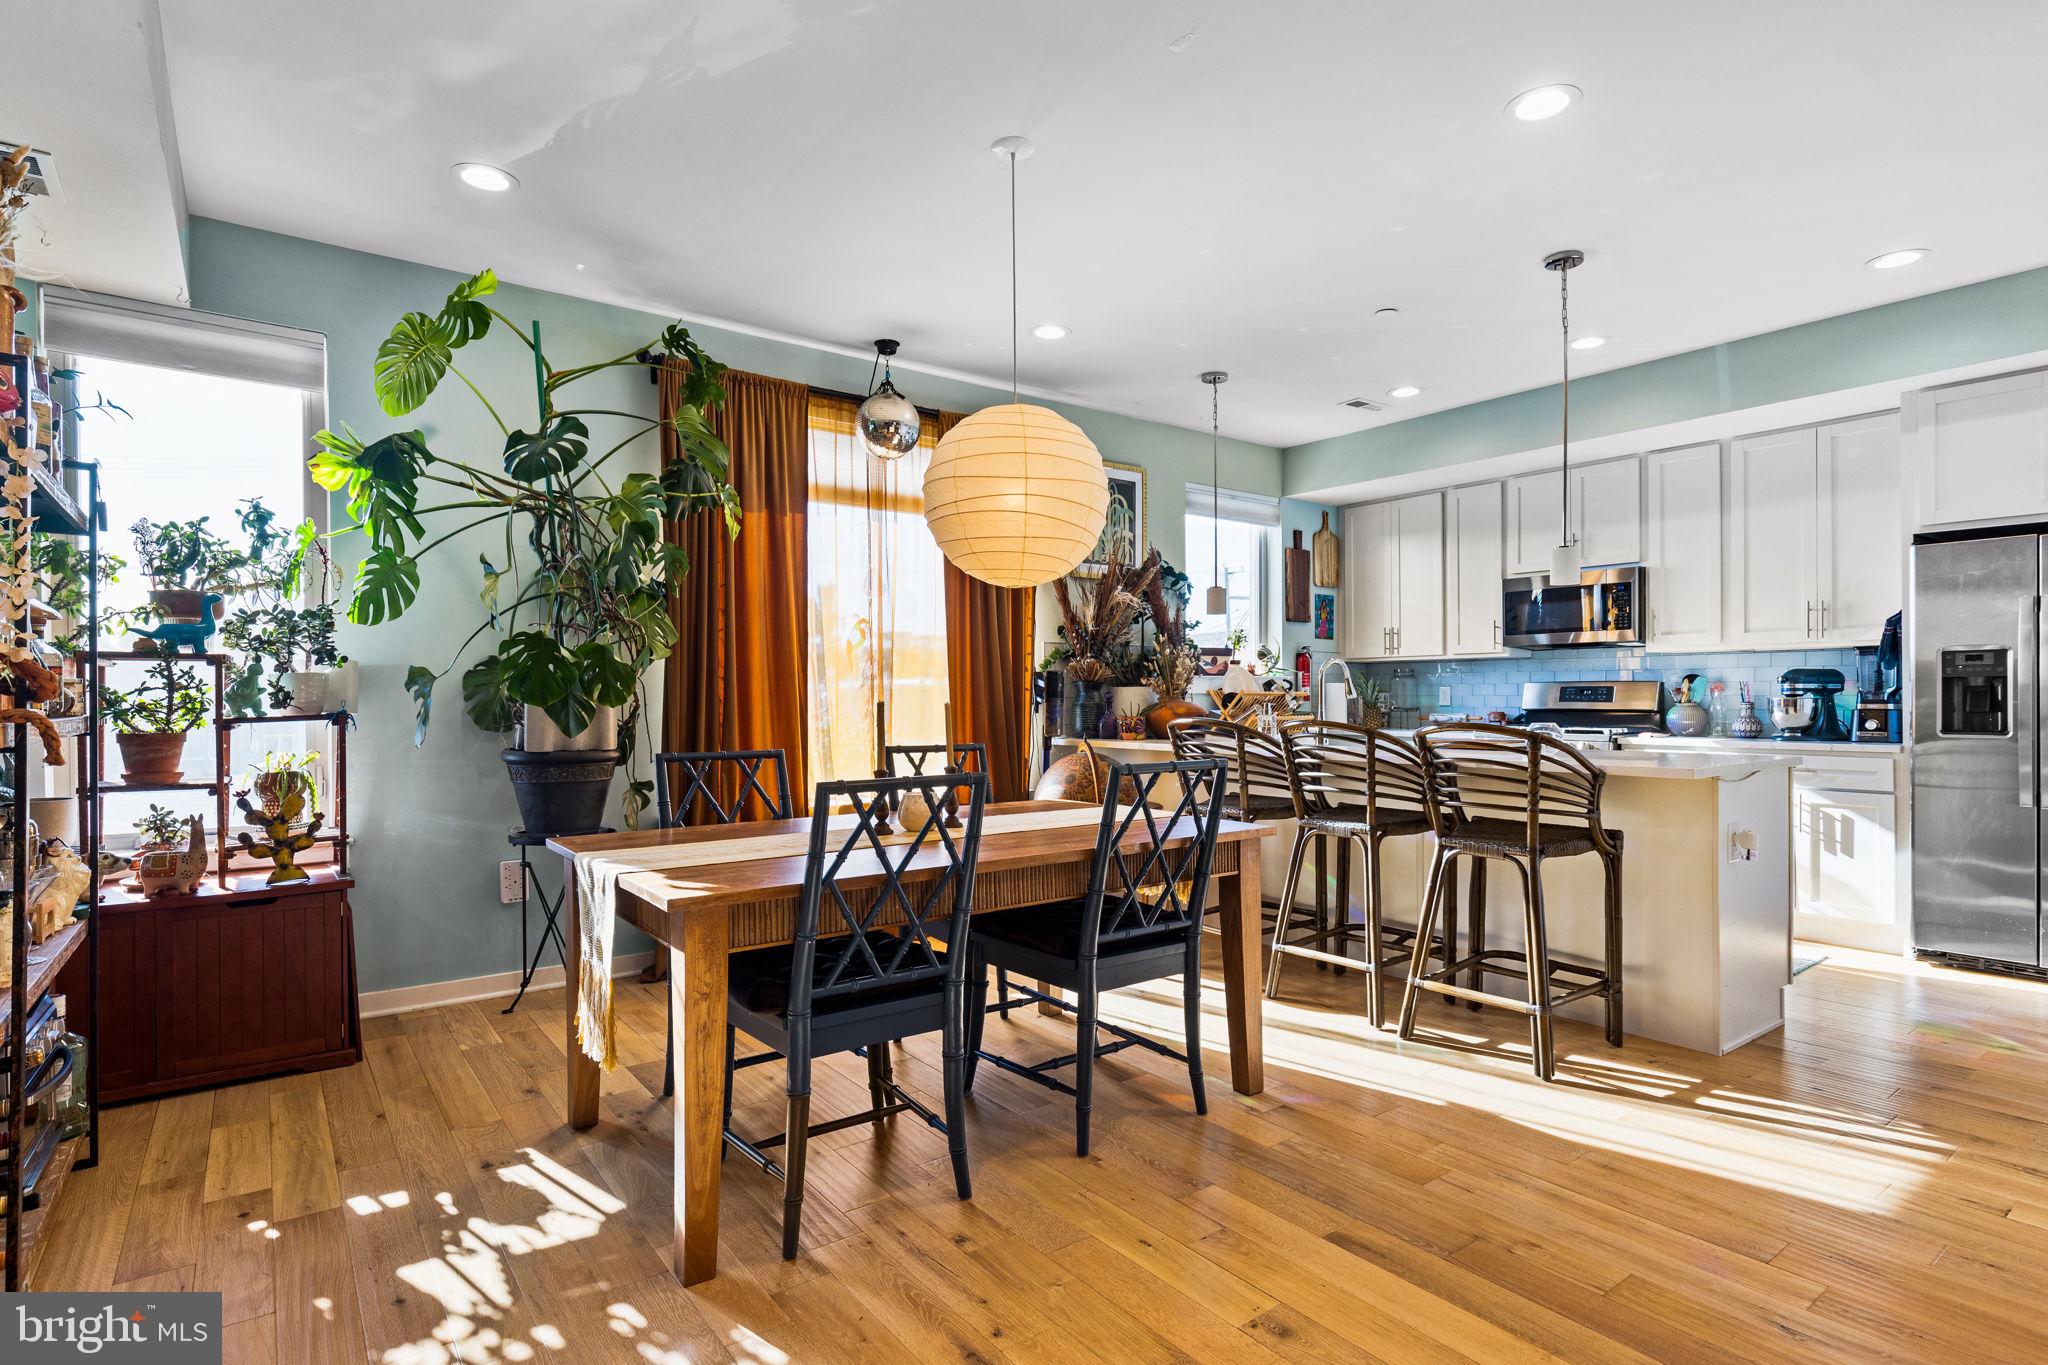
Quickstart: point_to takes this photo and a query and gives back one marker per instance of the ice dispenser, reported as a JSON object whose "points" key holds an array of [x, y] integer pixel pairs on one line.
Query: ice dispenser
{"points": [[1973, 691]]}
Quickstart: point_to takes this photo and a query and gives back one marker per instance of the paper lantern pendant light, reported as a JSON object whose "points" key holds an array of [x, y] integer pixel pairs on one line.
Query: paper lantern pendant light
{"points": [[1015, 494]]}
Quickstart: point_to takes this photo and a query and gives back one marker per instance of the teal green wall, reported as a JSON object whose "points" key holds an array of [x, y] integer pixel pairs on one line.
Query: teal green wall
{"points": [[430, 823], [1974, 324], [28, 319], [1307, 518]]}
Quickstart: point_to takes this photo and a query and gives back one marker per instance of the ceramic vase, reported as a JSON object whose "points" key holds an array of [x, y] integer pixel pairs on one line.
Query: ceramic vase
{"points": [[1746, 725]]}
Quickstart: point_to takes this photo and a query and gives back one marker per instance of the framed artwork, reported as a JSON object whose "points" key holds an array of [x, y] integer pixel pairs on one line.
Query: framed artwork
{"points": [[1326, 616], [1125, 530]]}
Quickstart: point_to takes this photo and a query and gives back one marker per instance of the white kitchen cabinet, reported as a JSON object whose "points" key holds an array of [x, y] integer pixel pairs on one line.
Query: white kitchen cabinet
{"points": [[1773, 529], [1607, 511], [1606, 515], [1473, 558], [1535, 521], [1368, 571], [1394, 578], [1844, 864], [1816, 541], [1862, 536], [1682, 546], [1979, 451]]}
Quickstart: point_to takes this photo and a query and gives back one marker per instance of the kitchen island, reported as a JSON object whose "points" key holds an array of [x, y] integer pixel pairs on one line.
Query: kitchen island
{"points": [[1706, 896]]}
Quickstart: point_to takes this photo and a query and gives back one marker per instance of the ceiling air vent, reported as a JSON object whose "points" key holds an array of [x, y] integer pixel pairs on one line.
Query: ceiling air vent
{"points": [[1363, 405], [42, 176]]}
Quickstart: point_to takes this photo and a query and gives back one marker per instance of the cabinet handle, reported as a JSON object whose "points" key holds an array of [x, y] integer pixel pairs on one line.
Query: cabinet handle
{"points": [[1496, 635], [1823, 618], [1809, 620]]}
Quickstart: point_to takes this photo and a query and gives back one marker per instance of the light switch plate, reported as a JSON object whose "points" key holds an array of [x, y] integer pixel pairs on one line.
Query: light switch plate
{"points": [[509, 882], [1443, 695]]}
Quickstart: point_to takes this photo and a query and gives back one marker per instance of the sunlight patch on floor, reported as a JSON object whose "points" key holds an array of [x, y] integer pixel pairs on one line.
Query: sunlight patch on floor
{"points": [[1601, 1101]]}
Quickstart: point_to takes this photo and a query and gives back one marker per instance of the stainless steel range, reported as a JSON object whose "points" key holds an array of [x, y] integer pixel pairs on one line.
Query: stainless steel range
{"points": [[1595, 713]]}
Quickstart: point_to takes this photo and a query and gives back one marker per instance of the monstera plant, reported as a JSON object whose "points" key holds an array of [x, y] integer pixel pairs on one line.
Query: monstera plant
{"points": [[574, 594]]}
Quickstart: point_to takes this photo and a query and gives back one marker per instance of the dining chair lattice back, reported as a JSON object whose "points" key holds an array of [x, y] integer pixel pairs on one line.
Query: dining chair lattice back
{"points": [[881, 952], [715, 787], [1140, 919]]}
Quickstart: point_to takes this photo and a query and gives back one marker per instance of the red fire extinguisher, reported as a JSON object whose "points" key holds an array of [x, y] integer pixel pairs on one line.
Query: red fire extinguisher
{"points": [[1304, 665]]}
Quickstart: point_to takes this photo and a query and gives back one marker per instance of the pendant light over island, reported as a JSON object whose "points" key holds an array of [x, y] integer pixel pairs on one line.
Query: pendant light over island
{"points": [[1015, 495], [1565, 559]]}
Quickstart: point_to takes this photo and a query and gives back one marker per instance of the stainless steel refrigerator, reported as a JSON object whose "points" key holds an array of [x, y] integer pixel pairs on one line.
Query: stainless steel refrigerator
{"points": [[1976, 755]]}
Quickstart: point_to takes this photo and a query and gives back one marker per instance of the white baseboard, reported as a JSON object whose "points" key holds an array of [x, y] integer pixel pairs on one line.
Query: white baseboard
{"points": [[402, 998]]}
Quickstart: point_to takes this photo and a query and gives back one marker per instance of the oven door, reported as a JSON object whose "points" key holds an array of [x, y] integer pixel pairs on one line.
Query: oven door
{"points": [[1605, 607]]}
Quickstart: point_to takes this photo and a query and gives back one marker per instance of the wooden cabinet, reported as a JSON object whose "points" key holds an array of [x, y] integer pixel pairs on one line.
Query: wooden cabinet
{"points": [[1773, 527], [1535, 521], [214, 987], [1979, 451], [1607, 511], [1473, 559], [1682, 546], [1816, 545], [1861, 546], [1394, 578]]}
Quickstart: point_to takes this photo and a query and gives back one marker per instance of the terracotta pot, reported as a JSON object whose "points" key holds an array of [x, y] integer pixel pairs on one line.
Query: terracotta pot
{"points": [[180, 604], [1165, 713], [152, 759]]}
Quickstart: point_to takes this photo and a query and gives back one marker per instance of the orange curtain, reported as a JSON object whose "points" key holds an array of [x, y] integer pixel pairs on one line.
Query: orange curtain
{"points": [[988, 668], [737, 678]]}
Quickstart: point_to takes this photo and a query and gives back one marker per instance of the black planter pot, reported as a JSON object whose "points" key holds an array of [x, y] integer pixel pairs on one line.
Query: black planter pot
{"points": [[563, 792]]}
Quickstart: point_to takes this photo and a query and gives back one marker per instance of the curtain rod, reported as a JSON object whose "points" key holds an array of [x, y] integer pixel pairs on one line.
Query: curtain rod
{"points": [[653, 361]]}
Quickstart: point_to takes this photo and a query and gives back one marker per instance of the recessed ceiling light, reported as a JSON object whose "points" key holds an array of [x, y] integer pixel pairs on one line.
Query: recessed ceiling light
{"points": [[1405, 391], [1545, 101], [579, 265], [1048, 331], [1386, 313], [478, 176], [1588, 343], [1892, 260]]}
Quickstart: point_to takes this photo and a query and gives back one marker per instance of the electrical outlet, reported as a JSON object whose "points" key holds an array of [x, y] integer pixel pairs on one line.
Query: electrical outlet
{"points": [[1443, 696], [510, 876]]}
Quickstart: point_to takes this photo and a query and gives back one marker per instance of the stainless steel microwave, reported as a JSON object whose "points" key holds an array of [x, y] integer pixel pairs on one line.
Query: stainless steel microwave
{"points": [[1605, 607]]}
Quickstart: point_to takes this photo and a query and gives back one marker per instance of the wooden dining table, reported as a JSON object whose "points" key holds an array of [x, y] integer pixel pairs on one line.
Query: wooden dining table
{"points": [[703, 910]]}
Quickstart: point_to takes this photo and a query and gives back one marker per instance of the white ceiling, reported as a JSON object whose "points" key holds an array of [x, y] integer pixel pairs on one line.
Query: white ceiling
{"points": [[816, 168], [98, 102]]}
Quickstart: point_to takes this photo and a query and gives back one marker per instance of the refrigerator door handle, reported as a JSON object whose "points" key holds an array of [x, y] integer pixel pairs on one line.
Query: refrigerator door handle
{"points": [[2026, 679]]}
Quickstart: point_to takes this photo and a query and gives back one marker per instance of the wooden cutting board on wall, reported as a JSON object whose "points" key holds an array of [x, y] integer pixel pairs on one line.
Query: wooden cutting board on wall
{"points": [[1296, 564], [1328, 555]]}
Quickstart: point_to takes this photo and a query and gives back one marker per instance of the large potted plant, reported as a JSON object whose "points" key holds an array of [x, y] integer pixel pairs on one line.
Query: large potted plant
{"points": [[151, 721], [1096, 623], [575, 608], [184, 561]]}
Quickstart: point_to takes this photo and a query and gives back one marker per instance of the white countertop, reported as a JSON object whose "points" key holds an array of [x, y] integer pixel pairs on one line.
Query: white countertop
{"points": [[1724, 744], [1689, 764]]}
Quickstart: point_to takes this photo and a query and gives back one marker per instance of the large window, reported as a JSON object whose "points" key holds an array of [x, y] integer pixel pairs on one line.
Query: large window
{"points": [[1241, 533], [218, 411], [878, 598]]}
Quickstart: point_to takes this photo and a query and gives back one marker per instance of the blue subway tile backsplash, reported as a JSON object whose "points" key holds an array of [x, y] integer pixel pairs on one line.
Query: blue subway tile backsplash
{"points": [[1481, 685]]}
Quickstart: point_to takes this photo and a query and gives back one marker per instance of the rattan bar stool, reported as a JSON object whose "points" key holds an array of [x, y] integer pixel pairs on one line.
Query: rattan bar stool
{"points": [[1501, 793], [1359, 787], [1256, 787]]}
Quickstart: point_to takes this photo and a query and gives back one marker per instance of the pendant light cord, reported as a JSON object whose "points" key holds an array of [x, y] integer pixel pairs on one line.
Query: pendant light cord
{"points": [[1215, 488], [1564, 310], [1013, 278]]}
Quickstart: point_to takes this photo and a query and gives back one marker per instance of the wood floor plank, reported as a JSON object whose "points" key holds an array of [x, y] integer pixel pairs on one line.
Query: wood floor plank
{"points": [[302, 1172], [1871, 1185]]}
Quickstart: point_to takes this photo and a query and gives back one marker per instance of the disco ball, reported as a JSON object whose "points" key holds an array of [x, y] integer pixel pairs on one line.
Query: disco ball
{"points": [[889, 423]]}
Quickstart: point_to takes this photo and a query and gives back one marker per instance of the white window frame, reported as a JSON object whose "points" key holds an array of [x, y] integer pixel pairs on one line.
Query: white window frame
{"points": [[1253, 509]]}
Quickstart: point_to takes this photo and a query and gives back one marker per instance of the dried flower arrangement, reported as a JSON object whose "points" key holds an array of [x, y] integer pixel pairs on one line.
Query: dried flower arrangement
{"points": [[1098, 623], [1174, 661]]}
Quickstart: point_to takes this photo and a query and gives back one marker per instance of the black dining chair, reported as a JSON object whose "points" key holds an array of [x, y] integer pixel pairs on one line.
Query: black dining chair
{"points": [[1140, 920], [867, 967], [715, 787]]}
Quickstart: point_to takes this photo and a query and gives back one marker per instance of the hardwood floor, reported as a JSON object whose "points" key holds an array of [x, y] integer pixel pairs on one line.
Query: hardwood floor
{"points": [[1871, 1184]]}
